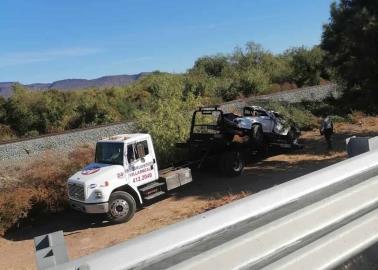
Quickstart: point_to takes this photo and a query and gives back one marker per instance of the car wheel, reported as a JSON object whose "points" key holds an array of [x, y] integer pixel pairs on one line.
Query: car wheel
{"points": [[291, 136], [257, 136]]}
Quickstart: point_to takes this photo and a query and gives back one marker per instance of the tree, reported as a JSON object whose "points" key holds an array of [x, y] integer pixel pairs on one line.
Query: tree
{"points": [[350, 40], [211, 65], [167, 115], [3, 112], [253, 81], [19, 114], [306, 65]]}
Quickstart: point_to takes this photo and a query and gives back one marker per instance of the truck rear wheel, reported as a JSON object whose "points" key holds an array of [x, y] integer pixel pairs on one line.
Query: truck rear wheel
{"points": [[232, 163], [122, 207]]}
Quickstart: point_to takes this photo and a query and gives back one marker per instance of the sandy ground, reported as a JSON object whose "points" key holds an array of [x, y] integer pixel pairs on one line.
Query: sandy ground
{"points": [[84, 235]]}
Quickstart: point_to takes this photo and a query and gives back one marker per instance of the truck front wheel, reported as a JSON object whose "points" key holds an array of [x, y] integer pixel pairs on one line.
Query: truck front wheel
{"points": [[122, 207]]}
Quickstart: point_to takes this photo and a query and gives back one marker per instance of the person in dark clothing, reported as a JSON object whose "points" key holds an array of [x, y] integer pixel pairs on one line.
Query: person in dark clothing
{"points": [[326, 129]]}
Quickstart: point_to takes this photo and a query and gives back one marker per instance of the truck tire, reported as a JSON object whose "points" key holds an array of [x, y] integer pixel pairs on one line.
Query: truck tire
{"points": [[232, 163], [122, 207], [257, 136]]}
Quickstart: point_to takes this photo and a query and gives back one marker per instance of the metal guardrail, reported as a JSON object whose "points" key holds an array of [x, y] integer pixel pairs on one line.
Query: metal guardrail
{"points": [[291, 226], [336, 248], [280, 237]]}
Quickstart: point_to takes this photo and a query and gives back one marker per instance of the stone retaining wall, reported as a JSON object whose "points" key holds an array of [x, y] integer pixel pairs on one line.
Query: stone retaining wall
{"points": [[314, 93], [63, 142]]}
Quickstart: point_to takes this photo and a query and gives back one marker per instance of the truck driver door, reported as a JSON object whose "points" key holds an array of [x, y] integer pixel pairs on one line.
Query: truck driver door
{"points": [[141, 165]]}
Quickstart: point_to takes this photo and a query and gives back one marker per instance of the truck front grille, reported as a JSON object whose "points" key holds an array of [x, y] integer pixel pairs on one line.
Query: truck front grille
{"points": [[76, 191]]}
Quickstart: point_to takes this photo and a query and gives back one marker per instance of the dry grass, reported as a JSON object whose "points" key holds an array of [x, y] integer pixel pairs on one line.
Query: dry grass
{"points": [[219, 199], [41, 188], [6, 133], [357, 116]]}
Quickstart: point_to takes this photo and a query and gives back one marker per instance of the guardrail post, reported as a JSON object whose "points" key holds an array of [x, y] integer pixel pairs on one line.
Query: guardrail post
{"points": [[359, 145], [50, 250]]}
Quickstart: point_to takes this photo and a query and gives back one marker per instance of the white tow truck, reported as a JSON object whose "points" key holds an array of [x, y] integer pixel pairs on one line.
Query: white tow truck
{"points": [[124, 176]]}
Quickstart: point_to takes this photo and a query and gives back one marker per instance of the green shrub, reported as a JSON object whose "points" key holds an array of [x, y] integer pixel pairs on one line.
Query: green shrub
{"points": [[32, 133], [229, 93], [307, 65], [253, 82], [211, 65], [340, 119], [167, 117], [168, 122]]}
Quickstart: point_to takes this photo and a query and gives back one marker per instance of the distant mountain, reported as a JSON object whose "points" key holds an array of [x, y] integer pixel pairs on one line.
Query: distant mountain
{"points": [[6, 89], [75, 84]]}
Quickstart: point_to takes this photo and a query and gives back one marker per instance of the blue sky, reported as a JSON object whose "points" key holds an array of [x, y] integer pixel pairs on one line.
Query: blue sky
{"points": [[43, 41]]}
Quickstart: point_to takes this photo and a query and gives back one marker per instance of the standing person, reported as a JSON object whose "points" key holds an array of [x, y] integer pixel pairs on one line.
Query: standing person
{"points": [[326, 129]]}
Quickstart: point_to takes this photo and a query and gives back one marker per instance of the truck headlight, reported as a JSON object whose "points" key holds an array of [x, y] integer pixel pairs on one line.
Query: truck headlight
{"points": [[98, 194]]}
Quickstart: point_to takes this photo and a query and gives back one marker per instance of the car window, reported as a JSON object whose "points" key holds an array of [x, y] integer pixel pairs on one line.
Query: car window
{"points": [[248, 112], [260, 113]]}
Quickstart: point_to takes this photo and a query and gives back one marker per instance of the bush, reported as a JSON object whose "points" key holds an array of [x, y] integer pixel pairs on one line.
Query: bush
{"points": [[211, 65], [42, 189], [167, 117], [168, 122], [307, 65], [14, 206], [6, 133], [231, 92], [32, 133], [254, 81]]}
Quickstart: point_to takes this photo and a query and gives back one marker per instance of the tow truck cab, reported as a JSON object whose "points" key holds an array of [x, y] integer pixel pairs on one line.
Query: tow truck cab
{"points": [[123, 175]]}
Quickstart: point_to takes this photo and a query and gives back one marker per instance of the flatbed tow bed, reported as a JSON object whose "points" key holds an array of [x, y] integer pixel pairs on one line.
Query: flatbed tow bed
{"points": [[217, 136]]}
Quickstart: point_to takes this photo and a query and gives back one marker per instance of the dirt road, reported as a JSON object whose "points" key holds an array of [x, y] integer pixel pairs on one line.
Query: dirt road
{"points": [[84, 235]]}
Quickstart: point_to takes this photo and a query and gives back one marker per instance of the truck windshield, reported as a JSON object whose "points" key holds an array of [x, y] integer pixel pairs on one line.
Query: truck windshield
{"points": [[109, 153]]}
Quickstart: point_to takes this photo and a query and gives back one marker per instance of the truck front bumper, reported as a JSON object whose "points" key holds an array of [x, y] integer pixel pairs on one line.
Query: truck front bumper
{"points": [[90, 208]]}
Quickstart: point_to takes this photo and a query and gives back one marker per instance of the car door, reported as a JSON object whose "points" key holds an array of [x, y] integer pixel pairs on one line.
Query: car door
{"points": [[265, 120], [141, 163]]}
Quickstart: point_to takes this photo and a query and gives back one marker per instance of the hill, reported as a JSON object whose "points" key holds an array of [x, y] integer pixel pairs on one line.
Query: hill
{"points": [[74, 84]]}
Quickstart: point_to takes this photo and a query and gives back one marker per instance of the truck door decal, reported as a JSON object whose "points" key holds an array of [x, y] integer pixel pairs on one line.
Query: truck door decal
{"points": [[141, 163], [141, 172]]}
